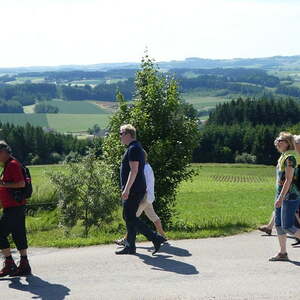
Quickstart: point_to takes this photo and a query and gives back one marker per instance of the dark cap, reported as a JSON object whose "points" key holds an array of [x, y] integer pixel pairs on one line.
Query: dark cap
{"points": [[5, 147]]}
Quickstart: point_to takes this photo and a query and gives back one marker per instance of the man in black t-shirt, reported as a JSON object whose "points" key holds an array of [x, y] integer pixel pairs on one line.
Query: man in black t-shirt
{"points": [[133, 186]]}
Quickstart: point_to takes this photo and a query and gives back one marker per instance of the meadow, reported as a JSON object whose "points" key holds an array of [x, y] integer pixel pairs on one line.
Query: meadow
{"points": [[222, 199], [204, 100], [59, 122]]}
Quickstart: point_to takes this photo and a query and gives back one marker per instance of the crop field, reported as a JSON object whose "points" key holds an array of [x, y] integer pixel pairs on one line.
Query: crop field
{"points": [[58, 122], [77, 107], [222, 199], [22, 119], [76, 122], [204, 102]]}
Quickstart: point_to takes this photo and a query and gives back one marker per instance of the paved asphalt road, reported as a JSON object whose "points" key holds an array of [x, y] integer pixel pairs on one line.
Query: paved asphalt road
{"points": [[227, 268]]}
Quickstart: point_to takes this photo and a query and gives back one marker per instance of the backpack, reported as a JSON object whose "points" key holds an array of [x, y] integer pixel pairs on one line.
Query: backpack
{"points": [[19, 194], [27, 189]]}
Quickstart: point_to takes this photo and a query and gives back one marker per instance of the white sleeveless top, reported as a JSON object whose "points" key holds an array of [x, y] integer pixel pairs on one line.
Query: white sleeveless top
{"points": [[149, 176]]}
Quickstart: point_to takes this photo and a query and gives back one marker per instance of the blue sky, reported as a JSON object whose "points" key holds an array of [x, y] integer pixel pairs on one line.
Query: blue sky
{"points": [[59, 32]]}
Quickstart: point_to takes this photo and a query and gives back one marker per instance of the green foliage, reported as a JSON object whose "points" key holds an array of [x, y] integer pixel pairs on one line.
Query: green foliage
{"points": [[33, 145], [234, 198], [86, 192], [219, 143], [256, 111], [245, 158], [166, 128], [10, 107], [44, 108]]}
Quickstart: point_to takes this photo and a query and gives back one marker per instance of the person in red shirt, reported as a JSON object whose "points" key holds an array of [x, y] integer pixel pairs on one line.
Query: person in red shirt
{"points": [[12, 220]]}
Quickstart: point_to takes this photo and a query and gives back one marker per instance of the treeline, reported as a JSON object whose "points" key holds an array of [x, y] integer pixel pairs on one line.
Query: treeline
{"points": [[216, 83], [32, 145], [106, 92], [288, 90], [68, 76], [223, 144], [28, 93], [254, 76], [246, 126], [10, 107], [256, 111], [45, 108]]}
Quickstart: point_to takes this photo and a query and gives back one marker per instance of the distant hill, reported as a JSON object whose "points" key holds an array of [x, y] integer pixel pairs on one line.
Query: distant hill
{"points": [[267, 63]]}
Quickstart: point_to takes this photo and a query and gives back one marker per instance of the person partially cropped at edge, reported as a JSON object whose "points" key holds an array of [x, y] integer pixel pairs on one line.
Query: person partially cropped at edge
{"points": [[12, 220], [133, 186], [287, 197]]}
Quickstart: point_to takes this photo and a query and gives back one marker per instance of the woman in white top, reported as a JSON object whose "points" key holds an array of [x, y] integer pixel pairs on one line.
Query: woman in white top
{"points": [[146, 204]]}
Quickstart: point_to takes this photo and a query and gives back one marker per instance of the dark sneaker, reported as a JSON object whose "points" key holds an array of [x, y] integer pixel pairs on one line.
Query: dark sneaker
{"points": [[23, 269], [296, 243], [9, 267], [265, 229], [126, 250], [280, 257], [157, 243]]}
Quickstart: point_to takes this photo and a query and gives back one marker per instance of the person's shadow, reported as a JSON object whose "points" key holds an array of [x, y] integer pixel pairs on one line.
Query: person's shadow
{"points": [[167, 248], [165, 263], [40, 288]]}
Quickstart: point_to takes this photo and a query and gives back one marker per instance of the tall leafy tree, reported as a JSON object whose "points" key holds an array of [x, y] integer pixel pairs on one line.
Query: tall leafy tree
{"points": [[167, 132]]}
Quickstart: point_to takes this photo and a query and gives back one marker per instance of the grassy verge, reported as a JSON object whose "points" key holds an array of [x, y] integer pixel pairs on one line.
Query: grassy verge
{"points": [[221, 200]]}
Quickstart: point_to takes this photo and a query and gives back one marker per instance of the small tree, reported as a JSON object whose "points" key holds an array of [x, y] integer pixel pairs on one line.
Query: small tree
{"points": [[86, 193], [166, 128]]}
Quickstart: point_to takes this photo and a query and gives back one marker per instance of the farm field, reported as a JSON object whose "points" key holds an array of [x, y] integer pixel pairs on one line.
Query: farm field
{"points": [[59, 122], [76, 122], [222, 199], [203, 102], [77, 107]]}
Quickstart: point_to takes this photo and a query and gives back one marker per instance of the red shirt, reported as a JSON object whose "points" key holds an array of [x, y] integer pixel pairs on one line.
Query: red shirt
{"points": [[12, 173]]}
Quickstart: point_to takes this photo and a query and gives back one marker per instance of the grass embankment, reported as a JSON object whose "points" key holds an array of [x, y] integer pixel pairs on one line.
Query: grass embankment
{"points": [[221, 200]]}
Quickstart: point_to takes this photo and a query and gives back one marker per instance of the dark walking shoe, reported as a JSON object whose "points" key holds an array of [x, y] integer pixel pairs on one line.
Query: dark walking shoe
{"points": [[280, 257], [126, 250], [9, 267], [157, 243], [296, 243], [265, 229], [23, 269]]}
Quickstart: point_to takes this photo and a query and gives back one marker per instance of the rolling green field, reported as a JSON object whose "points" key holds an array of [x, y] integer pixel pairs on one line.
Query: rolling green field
{"points": [[203, 102], [222, 199], [58, 122], [77, 107]]}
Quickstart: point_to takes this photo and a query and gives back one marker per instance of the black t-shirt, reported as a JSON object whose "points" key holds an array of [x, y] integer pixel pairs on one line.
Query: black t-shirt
{"points": [[134, 152]]}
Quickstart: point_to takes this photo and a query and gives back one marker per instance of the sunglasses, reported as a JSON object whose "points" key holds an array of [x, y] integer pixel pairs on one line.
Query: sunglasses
{"points": [[121, 133]]}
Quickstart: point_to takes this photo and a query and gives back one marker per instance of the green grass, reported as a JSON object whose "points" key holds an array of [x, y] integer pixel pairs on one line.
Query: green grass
{"points": [[22, 119], [222, 199], [77, 107], [59, 122], [76, 122], [201, 102]]}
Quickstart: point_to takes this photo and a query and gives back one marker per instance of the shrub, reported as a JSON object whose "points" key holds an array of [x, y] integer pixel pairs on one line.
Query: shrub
{"points": [[86, 193], [245, 158]]}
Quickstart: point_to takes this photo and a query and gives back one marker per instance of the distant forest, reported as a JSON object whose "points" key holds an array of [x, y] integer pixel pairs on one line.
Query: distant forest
{"points": [[247, 127], [240, 81]]}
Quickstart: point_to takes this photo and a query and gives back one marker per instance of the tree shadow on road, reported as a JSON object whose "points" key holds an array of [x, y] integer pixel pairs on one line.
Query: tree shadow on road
{"points": [[40, 288], [164, 263]]}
